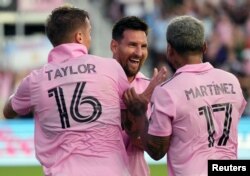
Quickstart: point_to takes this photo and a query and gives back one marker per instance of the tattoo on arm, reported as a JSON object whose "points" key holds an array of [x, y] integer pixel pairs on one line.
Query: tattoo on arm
{"points": [[128, 124], [134, 125], [131, 127]]}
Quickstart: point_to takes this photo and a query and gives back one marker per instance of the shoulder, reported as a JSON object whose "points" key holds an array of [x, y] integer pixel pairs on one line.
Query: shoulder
{"points": [[105, 60], [222, 74], [114, 65], [170, 80], [110, 66], [33, 74], [36, 75]]}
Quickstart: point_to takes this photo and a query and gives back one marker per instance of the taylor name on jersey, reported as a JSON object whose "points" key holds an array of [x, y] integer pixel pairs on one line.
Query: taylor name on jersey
{"points": [[70, 70]]}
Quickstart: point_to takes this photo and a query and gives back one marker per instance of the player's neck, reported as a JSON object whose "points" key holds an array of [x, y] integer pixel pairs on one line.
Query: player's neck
{"points": [[191, 59]]}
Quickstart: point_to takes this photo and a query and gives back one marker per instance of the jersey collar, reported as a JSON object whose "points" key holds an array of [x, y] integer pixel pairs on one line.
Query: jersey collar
{"points": [[67, 51], [139, 75], [195, 68]]}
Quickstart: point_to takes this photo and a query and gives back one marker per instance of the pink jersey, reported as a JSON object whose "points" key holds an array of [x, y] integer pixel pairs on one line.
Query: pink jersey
{"points": [[200, 108], [76, 100], [137, 163]]}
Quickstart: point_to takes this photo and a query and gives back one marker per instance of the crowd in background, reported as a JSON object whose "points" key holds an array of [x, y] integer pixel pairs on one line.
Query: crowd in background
{"points": [[227, 27]]}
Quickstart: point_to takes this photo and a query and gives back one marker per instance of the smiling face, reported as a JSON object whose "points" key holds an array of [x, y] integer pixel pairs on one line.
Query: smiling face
{"points": [[131, 51]]}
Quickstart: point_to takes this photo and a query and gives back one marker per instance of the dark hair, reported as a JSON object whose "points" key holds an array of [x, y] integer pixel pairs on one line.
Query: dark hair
{"points": [[62, 21], [186, 34], [125, 23]]}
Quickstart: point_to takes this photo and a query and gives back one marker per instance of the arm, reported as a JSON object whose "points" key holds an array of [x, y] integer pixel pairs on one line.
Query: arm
{"points": [[18, 104], [130, 123], [132, 126], [8, 111], [155, 146]]}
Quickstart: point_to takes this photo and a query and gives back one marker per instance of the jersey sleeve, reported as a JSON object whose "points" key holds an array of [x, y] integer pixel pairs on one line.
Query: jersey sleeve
{"points": [[243, 101], [21, 102], [163, 112], [123, 84]]}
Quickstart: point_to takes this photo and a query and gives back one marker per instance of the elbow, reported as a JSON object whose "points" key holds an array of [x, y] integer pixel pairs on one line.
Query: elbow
{"points": [[157, 157], [157, 147], [156, 154], [8, 115], [5, 113], [8, 111]]}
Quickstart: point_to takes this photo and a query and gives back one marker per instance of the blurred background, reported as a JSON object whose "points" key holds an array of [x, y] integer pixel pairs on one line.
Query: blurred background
{"points": [[24, 46]]}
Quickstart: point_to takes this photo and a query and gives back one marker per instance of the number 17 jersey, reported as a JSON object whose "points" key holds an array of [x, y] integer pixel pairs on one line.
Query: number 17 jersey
{"points": [[199, 107]]}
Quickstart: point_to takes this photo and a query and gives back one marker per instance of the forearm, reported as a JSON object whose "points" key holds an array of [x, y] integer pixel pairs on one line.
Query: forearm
{"points": [[134, 126], [143, 133], [137, 128]]}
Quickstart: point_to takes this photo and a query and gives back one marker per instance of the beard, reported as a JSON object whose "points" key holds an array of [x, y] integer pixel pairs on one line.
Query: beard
{"points": [[131, 72]]}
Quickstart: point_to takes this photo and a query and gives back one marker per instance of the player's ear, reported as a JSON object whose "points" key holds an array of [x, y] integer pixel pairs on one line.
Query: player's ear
{"points": [[169, 51], [79, 37], [113, 45], [204, 48]]}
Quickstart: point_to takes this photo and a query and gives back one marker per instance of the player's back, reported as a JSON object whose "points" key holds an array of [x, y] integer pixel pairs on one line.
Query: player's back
{"points": [[83, 91], [77, 114], [209, 104]]}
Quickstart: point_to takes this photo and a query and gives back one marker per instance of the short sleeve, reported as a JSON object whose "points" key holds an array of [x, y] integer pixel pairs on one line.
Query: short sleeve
{"points": [[163, 112], [123, 84], [243, 101], [20, 101]]}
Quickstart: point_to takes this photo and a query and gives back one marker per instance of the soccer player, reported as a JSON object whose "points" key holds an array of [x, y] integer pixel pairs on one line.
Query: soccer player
{"points": [[129, 46], [76, 99], [195, 113]]}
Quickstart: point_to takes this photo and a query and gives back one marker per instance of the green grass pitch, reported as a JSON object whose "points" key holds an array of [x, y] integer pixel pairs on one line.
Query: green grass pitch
{"points": [[156, 170]]}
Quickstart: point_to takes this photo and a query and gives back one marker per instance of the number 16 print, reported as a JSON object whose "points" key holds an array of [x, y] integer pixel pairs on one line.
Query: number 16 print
{"points": [[76, 101]]}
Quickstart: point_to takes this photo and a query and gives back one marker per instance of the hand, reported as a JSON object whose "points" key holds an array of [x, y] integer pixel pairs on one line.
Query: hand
{"points": [[158, 78], [136, 103], [161, 75]]}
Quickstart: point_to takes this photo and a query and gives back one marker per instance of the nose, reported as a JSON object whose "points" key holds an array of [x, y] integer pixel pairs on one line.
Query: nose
{"points": [[138, 51]]}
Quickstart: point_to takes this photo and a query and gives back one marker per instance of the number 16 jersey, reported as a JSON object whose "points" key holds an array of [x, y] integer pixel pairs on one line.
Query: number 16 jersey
{"points": [[76, 99]]}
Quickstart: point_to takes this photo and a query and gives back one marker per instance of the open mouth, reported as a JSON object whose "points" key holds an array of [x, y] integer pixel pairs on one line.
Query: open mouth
{"points": [[134, 61], [133, 64]]}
